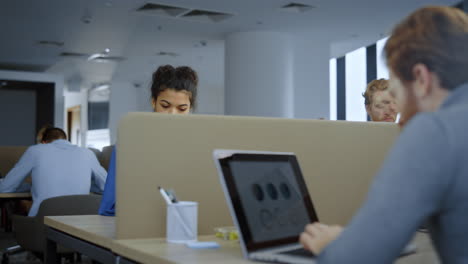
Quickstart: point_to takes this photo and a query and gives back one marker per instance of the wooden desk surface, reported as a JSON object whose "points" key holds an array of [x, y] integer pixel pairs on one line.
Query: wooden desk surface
{"points": [[15, 195], [158, 251], [100, 230], [96, 229]]}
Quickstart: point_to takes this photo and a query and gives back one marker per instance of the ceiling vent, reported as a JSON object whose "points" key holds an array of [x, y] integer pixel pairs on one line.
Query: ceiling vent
{"points": [[162, 10], [72, 54], [208, 16], [297, 7], [167, 53], [51, 43], [183, 13]]}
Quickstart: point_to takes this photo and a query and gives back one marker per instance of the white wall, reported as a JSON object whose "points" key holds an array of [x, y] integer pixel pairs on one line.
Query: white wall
{"points": [[211, 86], [59, 116], [311, 77], [123, 99]]}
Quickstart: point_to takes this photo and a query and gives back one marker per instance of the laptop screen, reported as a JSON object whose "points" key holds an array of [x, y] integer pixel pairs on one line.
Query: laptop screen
{"points": [[269, 197]]}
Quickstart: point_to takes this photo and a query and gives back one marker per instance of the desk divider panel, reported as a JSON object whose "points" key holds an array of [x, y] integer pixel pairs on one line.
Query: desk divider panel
{"points": [[9, 155], [338, 160]]}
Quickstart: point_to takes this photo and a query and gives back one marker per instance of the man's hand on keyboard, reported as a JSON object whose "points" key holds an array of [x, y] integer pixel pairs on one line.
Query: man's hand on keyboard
{"points": [[317, 236]]}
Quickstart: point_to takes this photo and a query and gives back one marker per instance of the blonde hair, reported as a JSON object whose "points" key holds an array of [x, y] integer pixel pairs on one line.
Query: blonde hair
{"points": [[40, 133], [372, 87]]}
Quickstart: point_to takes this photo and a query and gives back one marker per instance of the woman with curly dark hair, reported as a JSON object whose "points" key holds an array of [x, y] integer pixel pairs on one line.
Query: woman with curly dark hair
{"points": [[173, 91]]}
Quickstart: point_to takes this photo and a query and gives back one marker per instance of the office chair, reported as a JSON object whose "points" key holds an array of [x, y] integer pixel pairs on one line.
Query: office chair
{"points": [[30, 231]]}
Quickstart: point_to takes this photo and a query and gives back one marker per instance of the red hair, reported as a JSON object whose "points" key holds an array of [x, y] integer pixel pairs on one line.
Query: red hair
{"points": [[436, 37]]}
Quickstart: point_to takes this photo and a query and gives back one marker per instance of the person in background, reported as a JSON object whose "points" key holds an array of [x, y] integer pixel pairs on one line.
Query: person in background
{"points": [[380, 104], [425, 176], [173, 91], [94, 186], [57, 168]]}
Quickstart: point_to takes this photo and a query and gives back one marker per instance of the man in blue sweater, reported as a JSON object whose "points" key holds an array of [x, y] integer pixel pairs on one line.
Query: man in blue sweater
{"points": [[425, 176], [57, 168]]}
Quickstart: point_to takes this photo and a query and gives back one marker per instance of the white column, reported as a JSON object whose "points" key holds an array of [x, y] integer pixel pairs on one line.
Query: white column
{"points": [[259, 74], [311, 77]]}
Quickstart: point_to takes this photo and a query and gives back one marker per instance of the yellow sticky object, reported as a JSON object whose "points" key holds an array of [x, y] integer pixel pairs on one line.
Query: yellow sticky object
{"points": [[227, 233], [233, 235]]}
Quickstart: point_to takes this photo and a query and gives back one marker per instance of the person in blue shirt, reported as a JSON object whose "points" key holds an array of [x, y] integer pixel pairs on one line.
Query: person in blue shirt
{"points": [[425, 176], [173, 91], [57, 168]]}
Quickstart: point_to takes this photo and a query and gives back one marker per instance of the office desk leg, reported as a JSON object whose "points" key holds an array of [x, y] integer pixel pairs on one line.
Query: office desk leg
{"points": [[51, 252], [95, 252]]}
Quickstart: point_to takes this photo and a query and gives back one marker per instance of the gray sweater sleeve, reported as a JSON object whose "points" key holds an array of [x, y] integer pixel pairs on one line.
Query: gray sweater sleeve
{"points": [[408, 189]]}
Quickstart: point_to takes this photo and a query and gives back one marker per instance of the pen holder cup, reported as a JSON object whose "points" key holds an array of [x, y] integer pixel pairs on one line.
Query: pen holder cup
{"points": [[181, 222]]}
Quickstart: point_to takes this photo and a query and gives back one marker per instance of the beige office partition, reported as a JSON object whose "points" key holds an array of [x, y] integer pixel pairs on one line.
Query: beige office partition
{"points": [[9, 155], [338, 160]]}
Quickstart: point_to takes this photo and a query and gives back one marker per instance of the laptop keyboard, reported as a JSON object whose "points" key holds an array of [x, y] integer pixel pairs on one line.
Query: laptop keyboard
{"points": [[298, 252]]}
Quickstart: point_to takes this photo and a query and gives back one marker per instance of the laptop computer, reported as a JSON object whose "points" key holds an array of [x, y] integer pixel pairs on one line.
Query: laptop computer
{"points": [[269, 202]]}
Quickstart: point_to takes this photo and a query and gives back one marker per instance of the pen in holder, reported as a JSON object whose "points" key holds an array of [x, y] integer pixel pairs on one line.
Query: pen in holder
{"points": [[181, 222]]}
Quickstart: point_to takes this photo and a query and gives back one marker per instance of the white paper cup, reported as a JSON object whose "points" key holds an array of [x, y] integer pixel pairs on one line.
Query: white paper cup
{"points": [[181, 222]]}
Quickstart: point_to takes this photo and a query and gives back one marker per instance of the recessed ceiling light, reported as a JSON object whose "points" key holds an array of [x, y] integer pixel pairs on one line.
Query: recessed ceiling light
{"points": [[100, 87], [99, 55]]}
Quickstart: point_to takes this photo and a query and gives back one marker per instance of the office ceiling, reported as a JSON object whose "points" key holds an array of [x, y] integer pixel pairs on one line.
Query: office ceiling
{"points": [[91, 26]]}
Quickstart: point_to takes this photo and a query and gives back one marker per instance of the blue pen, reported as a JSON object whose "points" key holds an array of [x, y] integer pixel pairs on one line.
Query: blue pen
{"points": [[172, 196]]}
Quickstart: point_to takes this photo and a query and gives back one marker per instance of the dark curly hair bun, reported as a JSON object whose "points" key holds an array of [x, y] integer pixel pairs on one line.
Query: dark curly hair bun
{"points": [[186, 73], [181, 78]]}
